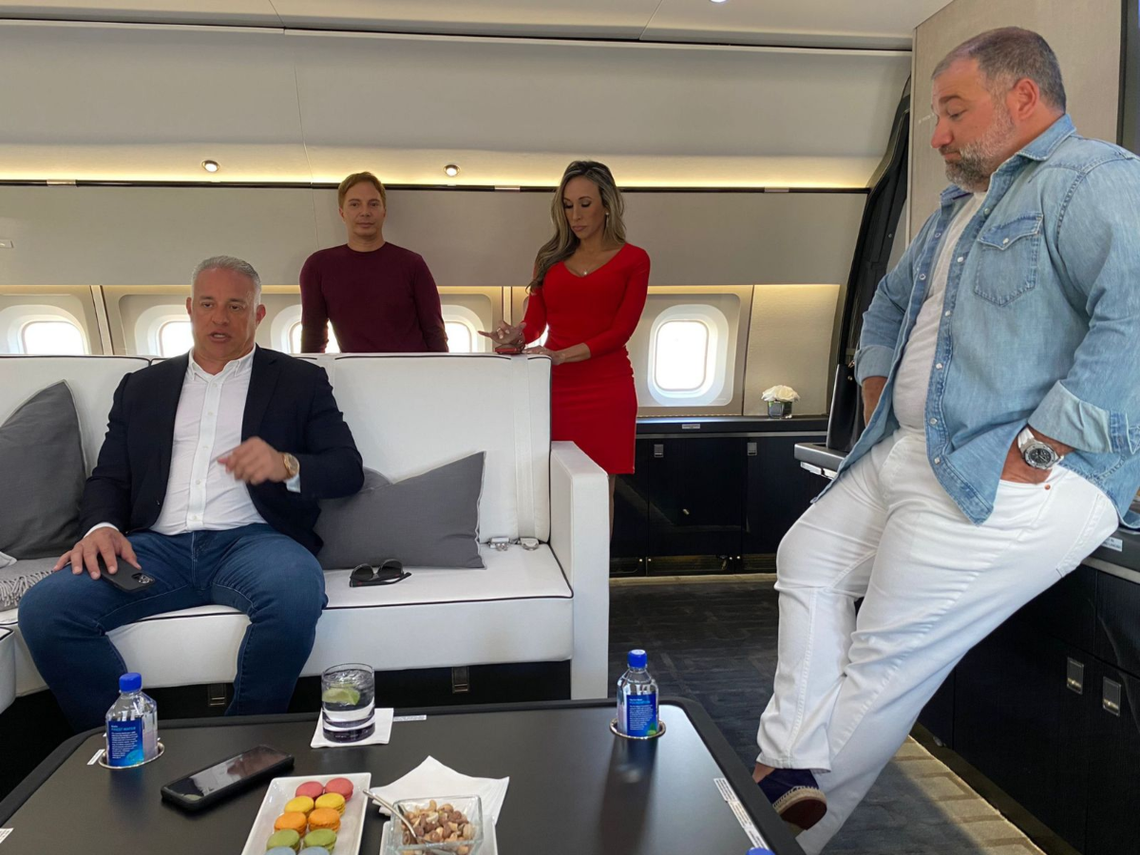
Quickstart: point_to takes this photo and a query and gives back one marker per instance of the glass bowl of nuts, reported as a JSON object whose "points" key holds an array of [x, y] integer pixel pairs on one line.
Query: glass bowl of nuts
{"points": [[451, 825]]}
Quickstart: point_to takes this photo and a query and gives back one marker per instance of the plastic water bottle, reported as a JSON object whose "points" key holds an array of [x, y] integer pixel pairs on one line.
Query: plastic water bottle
{"points": [[637, 698], [132, 725]]}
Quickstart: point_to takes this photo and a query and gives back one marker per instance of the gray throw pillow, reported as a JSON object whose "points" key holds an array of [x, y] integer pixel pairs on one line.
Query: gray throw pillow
{"points": [[429, 520], [41, 456], [17, 579]]}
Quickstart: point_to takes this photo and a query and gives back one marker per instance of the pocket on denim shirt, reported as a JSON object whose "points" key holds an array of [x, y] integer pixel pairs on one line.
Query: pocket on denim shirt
{"points": [[1006, 265]]}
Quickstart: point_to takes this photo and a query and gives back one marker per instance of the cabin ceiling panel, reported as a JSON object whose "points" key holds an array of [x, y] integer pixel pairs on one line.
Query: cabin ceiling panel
{"points": [[516, 110], [110, 101], [817, 23], [813, 23], [577, 19], [235, 12]]}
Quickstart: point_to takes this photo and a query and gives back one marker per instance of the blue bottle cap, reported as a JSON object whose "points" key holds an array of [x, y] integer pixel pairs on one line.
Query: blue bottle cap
{"points": [[760, 852], [637, 659], [130, 682]]}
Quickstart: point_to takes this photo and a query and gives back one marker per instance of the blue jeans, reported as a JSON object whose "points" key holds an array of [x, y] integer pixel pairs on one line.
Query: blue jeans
{"points": [[270, 577]]}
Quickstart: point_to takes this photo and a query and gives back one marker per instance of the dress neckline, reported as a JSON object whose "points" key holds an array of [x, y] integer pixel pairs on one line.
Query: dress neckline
{"points": [[621, 249]]}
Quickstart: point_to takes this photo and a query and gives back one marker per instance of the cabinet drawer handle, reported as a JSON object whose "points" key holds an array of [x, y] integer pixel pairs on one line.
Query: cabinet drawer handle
{"points": [[1075, 677], [1110, 697]]}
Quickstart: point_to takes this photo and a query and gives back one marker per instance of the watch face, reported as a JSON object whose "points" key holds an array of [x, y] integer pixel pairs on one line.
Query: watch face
{"points": [[1040, 456]]}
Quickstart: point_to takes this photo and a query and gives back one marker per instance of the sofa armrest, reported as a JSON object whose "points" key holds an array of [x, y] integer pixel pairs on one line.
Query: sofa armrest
{"points": [[580, 540]]}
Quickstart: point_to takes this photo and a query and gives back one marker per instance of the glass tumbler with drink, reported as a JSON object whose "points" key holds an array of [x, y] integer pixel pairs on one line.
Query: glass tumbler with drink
{"points": [[348, 701]]}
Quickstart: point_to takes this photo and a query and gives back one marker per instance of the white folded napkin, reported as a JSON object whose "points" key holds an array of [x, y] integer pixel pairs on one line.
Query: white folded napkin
{"points": [[383, 732], [432, 779]]}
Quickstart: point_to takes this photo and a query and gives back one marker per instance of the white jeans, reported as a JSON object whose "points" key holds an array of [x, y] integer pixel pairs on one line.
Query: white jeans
{"points": [[849, 688]]}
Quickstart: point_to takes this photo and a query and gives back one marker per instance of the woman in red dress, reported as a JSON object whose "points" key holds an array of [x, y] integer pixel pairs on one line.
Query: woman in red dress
{"points": [[588, 291]]}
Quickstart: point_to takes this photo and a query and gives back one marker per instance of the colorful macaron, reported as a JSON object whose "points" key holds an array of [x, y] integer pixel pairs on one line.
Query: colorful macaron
{"points": [[314, 850], [340, 786], [311, 789], [286, 838], [324, 818], [322, 839], [280, 850], [301, 804], [294, 820], [332, 801]]}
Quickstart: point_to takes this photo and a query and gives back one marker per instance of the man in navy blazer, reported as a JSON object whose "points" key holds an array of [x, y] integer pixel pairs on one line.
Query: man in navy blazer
{"points": [[207, 481]]}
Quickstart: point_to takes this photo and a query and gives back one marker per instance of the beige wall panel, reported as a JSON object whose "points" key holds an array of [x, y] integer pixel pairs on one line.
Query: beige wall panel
{"points": [[150, 235], [789, 344], [1085, 35]]}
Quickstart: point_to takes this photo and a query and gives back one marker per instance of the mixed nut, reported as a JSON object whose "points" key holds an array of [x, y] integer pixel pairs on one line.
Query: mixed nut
{"points": [[438, 824]]}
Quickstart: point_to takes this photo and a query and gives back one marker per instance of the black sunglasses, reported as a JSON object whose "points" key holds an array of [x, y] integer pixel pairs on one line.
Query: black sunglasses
{"points": [[388, 573]]}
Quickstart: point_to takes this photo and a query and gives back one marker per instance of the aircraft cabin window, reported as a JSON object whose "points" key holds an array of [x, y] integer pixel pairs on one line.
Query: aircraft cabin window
{"points": [[175, 338], [42, 330], [681, 356], [688, 357], [462, 326], [294, 344], [459, 337], [52, 337]]}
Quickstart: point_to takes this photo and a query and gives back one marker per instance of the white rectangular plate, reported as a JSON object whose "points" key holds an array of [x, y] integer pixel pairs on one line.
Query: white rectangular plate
{"points": [[281, 790], [490, 843]]}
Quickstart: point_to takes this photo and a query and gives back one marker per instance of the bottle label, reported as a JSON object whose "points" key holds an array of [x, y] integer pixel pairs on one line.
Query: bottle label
{"points": [[125, 743], [641, 715]]}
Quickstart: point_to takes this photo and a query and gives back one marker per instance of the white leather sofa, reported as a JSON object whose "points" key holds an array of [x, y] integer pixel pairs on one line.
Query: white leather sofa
{"points": [[409, 414]]}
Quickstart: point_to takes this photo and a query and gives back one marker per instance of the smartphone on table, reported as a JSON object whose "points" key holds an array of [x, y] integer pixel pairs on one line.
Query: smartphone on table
{"points": [[226, 778]]}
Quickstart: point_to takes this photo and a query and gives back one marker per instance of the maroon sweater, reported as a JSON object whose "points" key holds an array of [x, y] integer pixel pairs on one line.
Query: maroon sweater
{"points": [[383, 301]]}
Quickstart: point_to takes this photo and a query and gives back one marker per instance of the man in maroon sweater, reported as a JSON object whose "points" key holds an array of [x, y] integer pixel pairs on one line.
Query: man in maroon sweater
{"points": [[379, 297]]}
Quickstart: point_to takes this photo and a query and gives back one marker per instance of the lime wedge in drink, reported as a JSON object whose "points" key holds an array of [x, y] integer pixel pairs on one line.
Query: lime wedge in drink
{"points": [[341, 695]]}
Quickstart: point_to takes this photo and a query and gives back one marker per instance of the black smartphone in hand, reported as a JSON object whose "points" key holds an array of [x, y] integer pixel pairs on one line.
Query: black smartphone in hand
{"points": [[227, 778], [128, 578]]}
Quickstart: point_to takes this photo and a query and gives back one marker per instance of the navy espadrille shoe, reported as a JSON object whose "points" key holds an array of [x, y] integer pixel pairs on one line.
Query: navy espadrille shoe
{"points": [[796, 796]]}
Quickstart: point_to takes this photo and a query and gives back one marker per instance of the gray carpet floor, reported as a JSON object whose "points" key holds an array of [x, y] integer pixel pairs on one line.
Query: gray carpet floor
{"points": [[715, 642]]}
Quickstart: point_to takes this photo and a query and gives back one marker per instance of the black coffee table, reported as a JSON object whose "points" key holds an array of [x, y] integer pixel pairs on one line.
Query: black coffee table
{"points": [[575, 787]]}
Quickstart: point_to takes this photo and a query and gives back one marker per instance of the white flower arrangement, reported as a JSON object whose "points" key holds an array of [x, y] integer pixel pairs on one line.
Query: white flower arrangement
{"points": [[781, 393]]}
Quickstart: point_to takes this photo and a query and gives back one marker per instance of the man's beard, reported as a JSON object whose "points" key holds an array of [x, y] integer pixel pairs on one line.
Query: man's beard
{"points": [[978, 160]]}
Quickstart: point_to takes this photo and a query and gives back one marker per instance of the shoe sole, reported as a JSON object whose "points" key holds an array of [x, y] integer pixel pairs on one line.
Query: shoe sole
{"points": [[802, 807]]}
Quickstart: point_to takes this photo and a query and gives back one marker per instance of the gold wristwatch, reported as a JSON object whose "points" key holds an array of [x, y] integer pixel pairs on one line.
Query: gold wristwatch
{"points": [[292, 465]]}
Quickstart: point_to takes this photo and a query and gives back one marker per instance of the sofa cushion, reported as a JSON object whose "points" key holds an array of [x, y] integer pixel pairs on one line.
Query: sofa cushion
{"points": [[17, 578], [412, 412], [41, 456], [518, 608], [92, 379], [428, 520]]}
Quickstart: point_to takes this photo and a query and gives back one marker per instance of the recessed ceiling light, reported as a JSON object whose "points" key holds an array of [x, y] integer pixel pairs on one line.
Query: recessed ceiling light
{"points": [[451, 169], [720, 1], [210, 165]]}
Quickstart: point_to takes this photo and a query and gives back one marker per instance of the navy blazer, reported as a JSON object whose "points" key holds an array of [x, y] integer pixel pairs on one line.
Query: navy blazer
{"points": [[290, 405]]}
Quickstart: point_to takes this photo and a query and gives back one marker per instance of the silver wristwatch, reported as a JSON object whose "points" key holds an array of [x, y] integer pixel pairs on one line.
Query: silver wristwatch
{"points": [[1038, 454]]}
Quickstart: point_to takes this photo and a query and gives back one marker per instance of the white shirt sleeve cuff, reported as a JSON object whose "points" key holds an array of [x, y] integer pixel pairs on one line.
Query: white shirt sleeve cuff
{"points": [[293, 485], [102, 525]]}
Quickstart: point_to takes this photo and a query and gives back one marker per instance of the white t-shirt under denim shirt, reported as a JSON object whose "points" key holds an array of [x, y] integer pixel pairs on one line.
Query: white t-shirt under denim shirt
{"points": [[913, 378]]}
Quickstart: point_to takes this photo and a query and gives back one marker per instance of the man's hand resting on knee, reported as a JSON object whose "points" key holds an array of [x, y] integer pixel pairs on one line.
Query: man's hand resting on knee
{"points": [[872, 391], [106, 541]]}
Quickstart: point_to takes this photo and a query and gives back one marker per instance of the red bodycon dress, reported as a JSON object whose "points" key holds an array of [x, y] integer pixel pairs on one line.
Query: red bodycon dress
{"points": [[593, 403]]}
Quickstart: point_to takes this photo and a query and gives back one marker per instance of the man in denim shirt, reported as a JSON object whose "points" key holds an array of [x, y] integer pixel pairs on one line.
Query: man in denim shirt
{"points": [[999, 363]]}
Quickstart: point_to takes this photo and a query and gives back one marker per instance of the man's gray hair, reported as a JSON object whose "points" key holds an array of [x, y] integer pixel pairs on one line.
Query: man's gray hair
{"points": [[229, 262], [1009, 54]]}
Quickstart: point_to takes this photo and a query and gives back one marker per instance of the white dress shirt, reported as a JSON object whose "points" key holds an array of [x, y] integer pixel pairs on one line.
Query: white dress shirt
{"points": [[200, 493]]}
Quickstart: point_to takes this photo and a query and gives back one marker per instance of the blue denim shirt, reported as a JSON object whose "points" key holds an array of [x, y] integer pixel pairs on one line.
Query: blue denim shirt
{"points": [[1041, 323]]}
